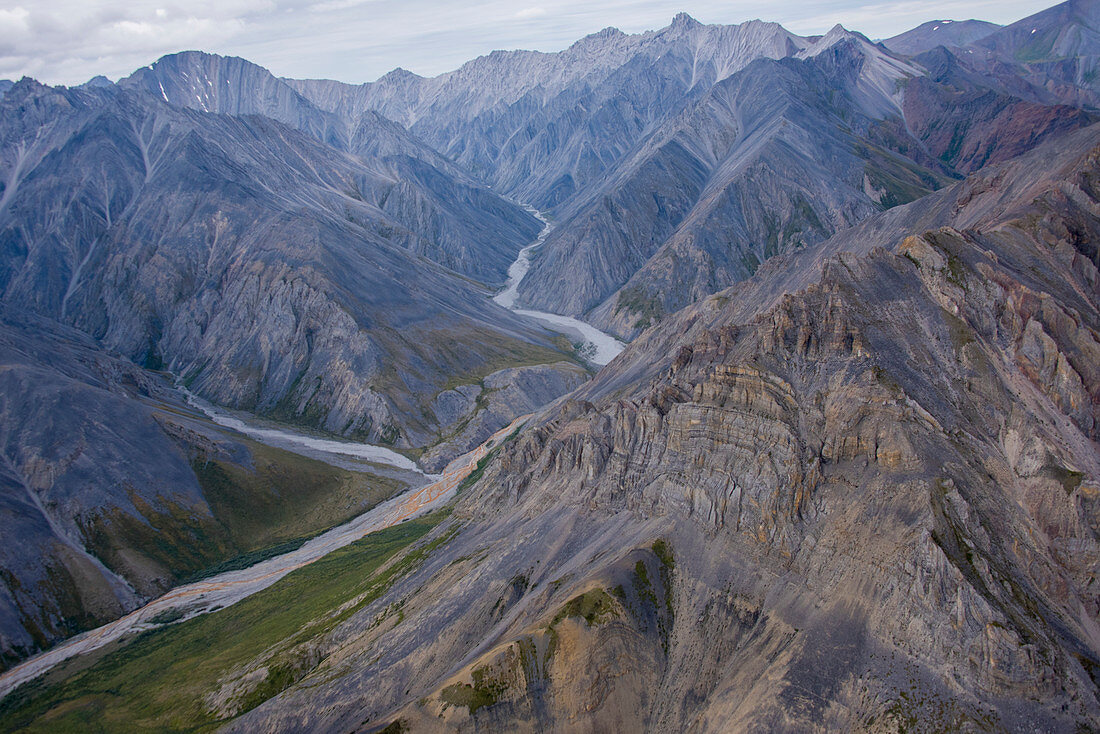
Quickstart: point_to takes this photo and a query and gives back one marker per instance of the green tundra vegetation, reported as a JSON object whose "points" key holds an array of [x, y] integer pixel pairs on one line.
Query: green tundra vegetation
{"points": [[162, 680]]}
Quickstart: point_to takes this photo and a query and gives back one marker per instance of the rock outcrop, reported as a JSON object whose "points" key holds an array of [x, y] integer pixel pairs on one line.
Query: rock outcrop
{"points": [[469, 414]]}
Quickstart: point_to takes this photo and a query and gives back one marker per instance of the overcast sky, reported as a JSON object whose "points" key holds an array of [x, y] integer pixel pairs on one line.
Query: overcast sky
{"points": [[69, 41]]}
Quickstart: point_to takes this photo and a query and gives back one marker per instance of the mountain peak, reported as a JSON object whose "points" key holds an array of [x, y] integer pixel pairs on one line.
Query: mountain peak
{"points": [[189, 55], [934, 33], [683, 21], [98, 81], [399, 75], [606, 34], [837, 34]]}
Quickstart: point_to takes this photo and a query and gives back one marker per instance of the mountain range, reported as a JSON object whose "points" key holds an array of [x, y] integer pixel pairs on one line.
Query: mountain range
{"points": [[844, 475]]}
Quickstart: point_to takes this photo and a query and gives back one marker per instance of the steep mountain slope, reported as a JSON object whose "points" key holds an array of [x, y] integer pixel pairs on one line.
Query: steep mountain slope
{"points": [[1069, 29], [950, 33], [343, 289], [234, 86], [544, 126], [589, 132], [856, 491], [732, 175], [435, 191], [113, 490], [269, 271], [1057, 49], [968, 119], [697, 114], [749, 196]]}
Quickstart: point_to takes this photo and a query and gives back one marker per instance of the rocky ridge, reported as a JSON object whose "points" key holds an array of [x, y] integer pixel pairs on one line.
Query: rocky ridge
{"points": [[879, 453]]}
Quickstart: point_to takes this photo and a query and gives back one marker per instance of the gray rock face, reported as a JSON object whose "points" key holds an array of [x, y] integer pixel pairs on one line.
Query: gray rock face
{"points": [[1067, 30], [758, 167], [856, 491], [542, 126], [761, 166], [469, 414], [234, 86]]}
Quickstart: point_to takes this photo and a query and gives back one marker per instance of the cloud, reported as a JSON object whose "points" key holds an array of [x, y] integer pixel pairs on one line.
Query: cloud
{"points": [[68, 41], [531, 13], [885, 19]]}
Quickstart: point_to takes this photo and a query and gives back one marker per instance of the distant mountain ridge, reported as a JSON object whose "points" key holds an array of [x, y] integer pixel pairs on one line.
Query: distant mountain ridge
{"points": [[558, 130], [951, 33], [208, 225]]}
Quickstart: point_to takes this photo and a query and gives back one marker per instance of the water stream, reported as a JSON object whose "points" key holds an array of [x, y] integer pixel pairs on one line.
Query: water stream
{"points": [[299, 443], [600, 348], [224, 589]]}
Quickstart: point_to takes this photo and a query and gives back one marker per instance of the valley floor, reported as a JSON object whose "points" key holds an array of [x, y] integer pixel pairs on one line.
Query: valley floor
{"points": [[231, 587]]}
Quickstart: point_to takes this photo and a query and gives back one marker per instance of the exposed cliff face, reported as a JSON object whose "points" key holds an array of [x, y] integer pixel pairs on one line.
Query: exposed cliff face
{"points": [[856, 492], [470, 414], [234, 86]]}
